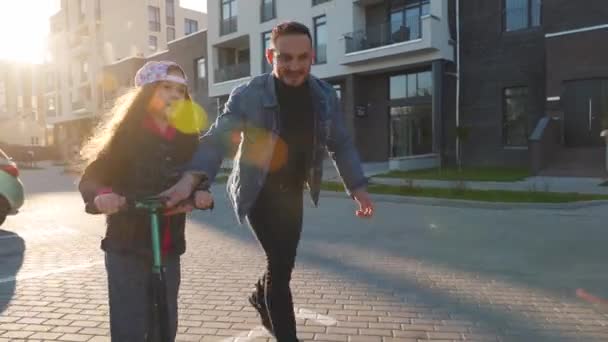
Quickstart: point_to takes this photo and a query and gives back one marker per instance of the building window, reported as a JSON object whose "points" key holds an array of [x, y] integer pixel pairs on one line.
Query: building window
{"points": [[154, 19], [50, 104], [411, 130], [51, 110], [228, 24], [316, 2], [404, 20], [19, 104], [152, 43], [338, 89], [170, 11], [515, 116], [35, 141], [200, 68], [320, 37], [34, 104], [410, 85], [521, 14], [84, 71], [190, 26], [267, 10], [170, 34], [411, 119], [266, 67]]}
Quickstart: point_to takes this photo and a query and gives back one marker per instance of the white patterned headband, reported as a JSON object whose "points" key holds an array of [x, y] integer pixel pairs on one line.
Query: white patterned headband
{"points": [[158, 71]]}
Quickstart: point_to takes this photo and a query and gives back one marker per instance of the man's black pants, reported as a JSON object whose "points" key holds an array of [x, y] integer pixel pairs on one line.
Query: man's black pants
{"points": [[276, 220]]}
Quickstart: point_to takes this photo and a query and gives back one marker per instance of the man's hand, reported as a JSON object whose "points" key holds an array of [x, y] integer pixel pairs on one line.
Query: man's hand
{"points": [[366, 207], [109, 203], [181, 190], [203, 199]]}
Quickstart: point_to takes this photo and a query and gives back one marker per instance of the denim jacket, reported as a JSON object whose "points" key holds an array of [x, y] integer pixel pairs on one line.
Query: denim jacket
{"points": [[251, 120]]}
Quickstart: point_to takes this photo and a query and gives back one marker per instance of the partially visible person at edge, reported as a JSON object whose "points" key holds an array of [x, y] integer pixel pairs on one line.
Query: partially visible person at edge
{"points": [[283, 121], [137, 152]]}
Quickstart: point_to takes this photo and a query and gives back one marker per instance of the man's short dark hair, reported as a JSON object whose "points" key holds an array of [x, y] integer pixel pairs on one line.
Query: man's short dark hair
{"points": [[289, 28]]}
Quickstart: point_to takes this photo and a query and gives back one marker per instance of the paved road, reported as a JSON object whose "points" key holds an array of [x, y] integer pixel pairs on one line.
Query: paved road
{"points": [[412, 273]]}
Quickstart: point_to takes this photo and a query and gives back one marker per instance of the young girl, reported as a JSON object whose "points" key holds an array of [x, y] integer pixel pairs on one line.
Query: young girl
{"points": [[137, 152]]}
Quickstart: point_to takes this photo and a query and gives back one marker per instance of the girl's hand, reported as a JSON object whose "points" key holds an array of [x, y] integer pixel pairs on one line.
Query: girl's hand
{"points": [[109, 203]]}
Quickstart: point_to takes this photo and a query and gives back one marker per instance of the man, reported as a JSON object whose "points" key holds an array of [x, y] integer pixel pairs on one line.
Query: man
{"points": [[282, 123]]}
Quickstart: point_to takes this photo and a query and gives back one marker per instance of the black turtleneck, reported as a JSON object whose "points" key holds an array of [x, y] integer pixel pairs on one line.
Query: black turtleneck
{"points": [[296, 130]]}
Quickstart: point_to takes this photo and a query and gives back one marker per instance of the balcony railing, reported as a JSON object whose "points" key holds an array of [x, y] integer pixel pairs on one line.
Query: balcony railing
{"points": [[232, 72], [228, 25], [154, 26], [76, 105], [381, 35]]}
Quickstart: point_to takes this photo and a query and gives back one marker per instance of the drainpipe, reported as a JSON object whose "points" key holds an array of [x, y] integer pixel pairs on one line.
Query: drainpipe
{"points": [[458, 147]]}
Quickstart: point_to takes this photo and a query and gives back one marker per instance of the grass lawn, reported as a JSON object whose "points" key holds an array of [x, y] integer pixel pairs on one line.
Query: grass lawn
{"points": [[474, 195], [221, 179], [467, 194], [488, 174], [28, 166]]}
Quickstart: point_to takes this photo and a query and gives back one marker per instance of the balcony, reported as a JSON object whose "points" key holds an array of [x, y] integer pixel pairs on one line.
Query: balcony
{"points": [[232, 72], [79, 44], [379, 35], [154, 26], [78, 105], [427, 34], [82, 107], [367, 2], [228, 25]]}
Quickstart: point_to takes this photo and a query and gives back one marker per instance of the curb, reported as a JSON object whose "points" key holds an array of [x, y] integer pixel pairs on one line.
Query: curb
{"points": [[445, 202]]}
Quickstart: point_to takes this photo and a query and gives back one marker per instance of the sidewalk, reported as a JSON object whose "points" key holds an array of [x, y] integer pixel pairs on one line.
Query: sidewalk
{"points": [[545, 184], [536, 183]]}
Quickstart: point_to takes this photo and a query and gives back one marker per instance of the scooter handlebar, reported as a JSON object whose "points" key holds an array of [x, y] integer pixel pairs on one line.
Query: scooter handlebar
{"points": [[91, 208]]}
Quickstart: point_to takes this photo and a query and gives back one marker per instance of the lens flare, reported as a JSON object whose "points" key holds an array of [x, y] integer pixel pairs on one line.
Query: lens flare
{"points": [[188, 117], [156, 105], [259, 154], [108, 82]]}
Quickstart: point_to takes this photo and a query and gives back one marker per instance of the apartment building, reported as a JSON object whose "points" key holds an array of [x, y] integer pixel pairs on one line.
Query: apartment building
{"points": [[22, 116], [389, 61], [190, 52], [535, 84], [86, 35]]}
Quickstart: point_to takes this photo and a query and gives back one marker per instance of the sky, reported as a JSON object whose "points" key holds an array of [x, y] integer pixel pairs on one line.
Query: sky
{"points": [[24, 27]]}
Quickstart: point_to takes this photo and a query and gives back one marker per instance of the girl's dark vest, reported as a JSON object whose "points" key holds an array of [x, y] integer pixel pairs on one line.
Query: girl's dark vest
{"points": [[154, 165]]}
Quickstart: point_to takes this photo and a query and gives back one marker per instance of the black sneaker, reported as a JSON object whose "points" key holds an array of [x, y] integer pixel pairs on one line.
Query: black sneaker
{"points": [[257, 301]]}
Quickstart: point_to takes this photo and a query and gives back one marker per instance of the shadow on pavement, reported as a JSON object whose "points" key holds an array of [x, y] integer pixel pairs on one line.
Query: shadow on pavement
{"points": [[12, 249], [552, 261]]}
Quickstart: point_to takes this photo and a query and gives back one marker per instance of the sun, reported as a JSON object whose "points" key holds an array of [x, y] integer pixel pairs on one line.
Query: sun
{"points": [[24, 28]]}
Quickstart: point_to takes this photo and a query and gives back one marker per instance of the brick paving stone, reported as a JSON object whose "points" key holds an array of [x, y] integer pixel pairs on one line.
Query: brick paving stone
{"points": [[385, 286]]}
